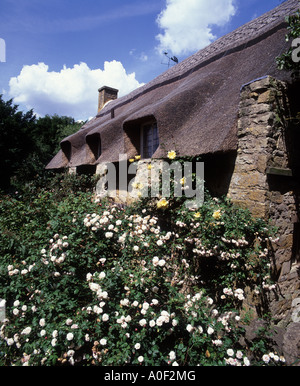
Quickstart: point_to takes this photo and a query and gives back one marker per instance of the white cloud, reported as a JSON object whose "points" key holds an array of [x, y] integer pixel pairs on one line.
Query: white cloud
{"points": [[72, 91], [187, 24], [142, 57]]}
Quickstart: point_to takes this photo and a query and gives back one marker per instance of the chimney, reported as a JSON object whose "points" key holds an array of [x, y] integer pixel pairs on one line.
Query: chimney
{"points": [[106, 94]]}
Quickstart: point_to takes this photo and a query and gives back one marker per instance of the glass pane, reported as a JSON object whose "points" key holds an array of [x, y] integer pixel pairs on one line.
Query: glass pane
{"points": [[147, 140], [150, 140], [155, 139]]}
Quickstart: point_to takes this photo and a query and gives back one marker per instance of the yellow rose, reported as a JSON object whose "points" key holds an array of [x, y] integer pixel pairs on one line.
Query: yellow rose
{"points": [[163, 203], [172, 154], [137, 157], [149, 166], [131, 160], [217, 214], [197, 215], [137, 185], [182, 181]]}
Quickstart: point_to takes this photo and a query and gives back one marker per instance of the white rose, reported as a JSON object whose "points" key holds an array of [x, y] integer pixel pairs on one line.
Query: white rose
{"points": [[105, 317], [142, 322], [70, 336], [189, 328], [26, 331], [42, 322]]}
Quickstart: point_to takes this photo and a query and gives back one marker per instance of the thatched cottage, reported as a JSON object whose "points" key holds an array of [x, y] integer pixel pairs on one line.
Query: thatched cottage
{"points": [[229, 104]]}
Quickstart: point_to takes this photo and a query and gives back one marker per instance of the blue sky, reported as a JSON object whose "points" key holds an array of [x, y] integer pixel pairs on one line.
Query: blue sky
{"points": [[59, 52]]}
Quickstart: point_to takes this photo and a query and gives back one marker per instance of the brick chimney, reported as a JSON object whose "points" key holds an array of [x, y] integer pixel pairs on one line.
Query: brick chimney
{"points": [[106, 94]]}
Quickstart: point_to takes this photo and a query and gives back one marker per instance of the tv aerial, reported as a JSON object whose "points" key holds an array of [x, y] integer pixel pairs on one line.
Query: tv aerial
{"points": [[173, 59]]}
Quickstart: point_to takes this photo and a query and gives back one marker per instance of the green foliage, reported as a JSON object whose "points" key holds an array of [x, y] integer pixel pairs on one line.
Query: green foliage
{"points": [[15, 141], [49, 131], [88, 282], [285, 61], [27, 144]]}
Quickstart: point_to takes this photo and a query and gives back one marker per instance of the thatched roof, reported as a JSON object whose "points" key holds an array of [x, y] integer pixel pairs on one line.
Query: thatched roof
{"points": [[195, 103]]}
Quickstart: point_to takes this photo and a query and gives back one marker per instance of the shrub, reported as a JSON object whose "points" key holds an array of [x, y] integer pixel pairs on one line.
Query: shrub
{"points": [[93, 283]]}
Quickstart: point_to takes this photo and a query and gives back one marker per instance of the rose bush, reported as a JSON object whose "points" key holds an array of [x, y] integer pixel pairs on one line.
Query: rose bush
{"points": [[89, 282]]}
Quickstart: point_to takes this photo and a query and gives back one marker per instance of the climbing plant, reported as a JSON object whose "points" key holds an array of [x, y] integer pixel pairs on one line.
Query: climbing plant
{"points": [[290, 60]]}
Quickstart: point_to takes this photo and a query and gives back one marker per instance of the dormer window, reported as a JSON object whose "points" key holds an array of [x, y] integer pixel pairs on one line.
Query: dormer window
{"points": [[94, 143], [141, 136], [67, 149], [149, 139]]}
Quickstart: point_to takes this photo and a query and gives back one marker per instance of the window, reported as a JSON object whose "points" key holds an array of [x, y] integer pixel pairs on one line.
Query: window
{"points": [[141, 136], [149, 139]]}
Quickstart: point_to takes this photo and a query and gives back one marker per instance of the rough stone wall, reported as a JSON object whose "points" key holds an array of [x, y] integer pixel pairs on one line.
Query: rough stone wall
{"points": [[256, 126], [263, 181], [263, 178]]}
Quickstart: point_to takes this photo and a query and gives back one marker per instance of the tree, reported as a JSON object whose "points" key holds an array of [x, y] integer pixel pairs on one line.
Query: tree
{"points": [[27, 144], [49, 132], [15, 141]]}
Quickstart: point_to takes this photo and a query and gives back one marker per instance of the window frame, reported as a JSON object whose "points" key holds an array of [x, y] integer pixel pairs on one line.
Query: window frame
{"points": [[153, 126]]}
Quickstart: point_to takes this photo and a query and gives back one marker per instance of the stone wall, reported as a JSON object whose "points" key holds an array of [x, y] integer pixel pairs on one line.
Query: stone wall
{"points": [[264, 181], [256, 139]]}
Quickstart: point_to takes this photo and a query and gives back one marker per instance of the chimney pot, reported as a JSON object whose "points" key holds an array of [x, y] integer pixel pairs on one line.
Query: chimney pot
{"points": [[106, 94]]}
